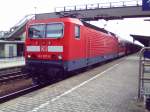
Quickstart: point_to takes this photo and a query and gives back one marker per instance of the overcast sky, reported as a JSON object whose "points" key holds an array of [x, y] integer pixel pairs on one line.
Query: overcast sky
{"points": [[11, 11]]}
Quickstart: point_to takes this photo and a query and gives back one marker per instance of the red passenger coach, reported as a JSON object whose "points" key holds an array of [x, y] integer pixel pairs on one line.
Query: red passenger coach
{"points": [[58, 45]]}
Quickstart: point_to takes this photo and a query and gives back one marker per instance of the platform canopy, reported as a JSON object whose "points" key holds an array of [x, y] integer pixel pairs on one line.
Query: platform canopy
{"points": [[145, 40]]}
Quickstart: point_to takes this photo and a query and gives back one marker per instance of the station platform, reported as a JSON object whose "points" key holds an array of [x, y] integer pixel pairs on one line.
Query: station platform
{"points": [[112, 87], [11, 62]]}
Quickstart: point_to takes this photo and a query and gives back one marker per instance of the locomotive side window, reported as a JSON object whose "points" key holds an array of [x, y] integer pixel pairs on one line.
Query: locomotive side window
{"points": [[54, 30], [36, 31], [77, 31]]}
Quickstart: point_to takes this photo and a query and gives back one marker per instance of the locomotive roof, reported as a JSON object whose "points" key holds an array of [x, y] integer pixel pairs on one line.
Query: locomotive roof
{"points": [[97, 28], [73, 20]]}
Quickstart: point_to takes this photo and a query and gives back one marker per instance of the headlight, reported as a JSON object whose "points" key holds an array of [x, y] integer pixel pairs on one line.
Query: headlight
{"points": [[29, 56], [59, 57]]}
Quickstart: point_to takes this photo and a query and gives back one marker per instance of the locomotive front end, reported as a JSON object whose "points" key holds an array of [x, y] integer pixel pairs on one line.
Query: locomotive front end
{"points": [[44, 51]]}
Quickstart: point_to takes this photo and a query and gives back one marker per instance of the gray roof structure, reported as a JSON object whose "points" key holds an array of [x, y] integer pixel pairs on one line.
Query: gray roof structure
{"points": [[145, 40]]}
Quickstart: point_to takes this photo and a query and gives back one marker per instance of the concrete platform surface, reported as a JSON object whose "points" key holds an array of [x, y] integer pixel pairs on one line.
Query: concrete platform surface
{"points": [[11, 62], [111, 87]]}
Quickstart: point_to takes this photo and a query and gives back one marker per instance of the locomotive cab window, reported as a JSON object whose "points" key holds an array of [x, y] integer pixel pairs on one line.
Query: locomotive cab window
{"points": [[54, 30], [36, 31], [77, 31]]}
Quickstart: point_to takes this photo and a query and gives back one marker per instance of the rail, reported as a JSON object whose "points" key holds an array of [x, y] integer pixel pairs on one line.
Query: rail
{"points": [[99, 5], [7, 75], [11, 74], [144, 77], [18, 93], [10, 70]]}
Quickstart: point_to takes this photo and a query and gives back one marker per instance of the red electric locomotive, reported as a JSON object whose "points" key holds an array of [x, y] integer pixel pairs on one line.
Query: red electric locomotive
{"points": [[57, 45]]}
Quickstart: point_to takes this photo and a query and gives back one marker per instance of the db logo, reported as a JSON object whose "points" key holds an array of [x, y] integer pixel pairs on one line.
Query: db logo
{"points": [[44, 49]]}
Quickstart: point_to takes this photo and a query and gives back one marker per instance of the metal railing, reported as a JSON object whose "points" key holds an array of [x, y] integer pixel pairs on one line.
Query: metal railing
{"points": [[19, 25], [99, 5], [144, 73]]}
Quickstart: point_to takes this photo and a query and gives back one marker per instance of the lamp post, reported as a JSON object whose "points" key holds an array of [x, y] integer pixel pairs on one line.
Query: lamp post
{"points": [[35, 8]]}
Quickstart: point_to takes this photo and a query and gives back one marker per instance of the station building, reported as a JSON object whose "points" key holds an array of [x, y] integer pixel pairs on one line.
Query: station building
{"points": [[12, 47]]}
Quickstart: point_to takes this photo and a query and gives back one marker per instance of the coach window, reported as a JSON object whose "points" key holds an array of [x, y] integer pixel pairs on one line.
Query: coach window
{"points": [[77, 31]]}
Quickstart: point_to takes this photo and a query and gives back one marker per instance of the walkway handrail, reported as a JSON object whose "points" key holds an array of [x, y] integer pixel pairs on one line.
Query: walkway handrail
{"points": [[99, 5], [25, 18], [19, 25], [141, 59]]}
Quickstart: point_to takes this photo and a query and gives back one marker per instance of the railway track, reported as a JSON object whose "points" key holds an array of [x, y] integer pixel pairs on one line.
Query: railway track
{"points": [[22, 91], [12, 95], [7, 76], [12, 74], [10, 70]]}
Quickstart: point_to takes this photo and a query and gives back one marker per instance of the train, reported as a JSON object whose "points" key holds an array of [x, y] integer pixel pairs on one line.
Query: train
{"points": [[55, 46]]}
